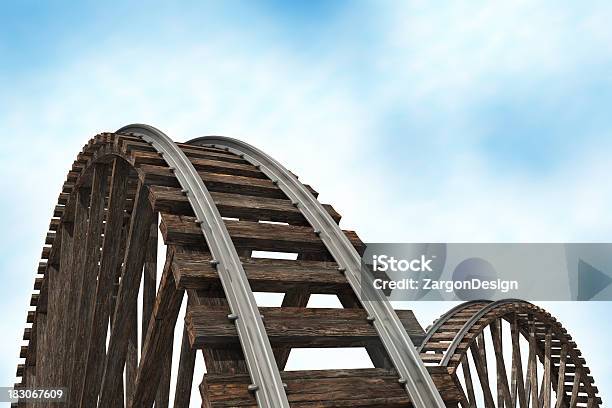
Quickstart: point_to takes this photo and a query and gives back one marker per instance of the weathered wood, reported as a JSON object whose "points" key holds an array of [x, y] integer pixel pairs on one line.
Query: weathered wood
{"points": [[292, 298], [162, 397], [149, 284], [296, 327], [131, 356], [561, 378], [378, 355], [110, 262], [140, 227], [503, 390], [192, 270], [482, 376], [184, 377], [86, 293], [532, 366], [158, 343], [328, 388], [224, 183], [208, 164], [76, 281], [518, 385], [467, 378], [220, 360], [253, 208], [182, 230], [547, 377]]}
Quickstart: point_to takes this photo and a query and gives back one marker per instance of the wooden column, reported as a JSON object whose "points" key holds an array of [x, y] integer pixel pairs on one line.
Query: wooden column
{"points": [[81, 211], [109, 264], [140, 227], [88, 277], [158, 342], [184, 378]]}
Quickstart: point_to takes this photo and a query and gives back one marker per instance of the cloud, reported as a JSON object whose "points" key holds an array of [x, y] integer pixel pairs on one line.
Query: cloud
{"points": [[391, 121]]}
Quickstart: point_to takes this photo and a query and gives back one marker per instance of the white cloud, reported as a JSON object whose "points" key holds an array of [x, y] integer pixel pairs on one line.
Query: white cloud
{"points": [[436, 64]]}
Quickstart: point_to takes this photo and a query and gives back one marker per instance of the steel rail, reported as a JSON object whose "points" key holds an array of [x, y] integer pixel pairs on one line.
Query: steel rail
{"points": [[402, 352], [266, 381], [444, 318], [450, 351]]}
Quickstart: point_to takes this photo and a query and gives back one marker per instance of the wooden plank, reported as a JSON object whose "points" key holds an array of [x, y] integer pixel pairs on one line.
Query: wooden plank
{"points": [[482, 375], [76, 281], [217, 360], [192, 270], [518, 385], [328, 388], [377, 353], [140, 227], [86, 294], [149, 284], [547, 377], [502, 378], [184, 377], [158, 343], [173, 201], [182, 230], [561, 378], [224, 183], [209, 163], [532, 365], [110, 262], [131, 356], [467, 378], [296, 327]]}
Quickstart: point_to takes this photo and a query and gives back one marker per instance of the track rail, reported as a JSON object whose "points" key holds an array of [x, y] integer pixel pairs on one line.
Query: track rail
{"points": [[257, 350], [564, 369], [399, 346]]}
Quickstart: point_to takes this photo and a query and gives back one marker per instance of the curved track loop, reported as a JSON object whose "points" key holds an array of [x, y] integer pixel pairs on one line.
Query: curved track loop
{"points": [[462, 330], [101, 249], [396, 341], [255, 344]]}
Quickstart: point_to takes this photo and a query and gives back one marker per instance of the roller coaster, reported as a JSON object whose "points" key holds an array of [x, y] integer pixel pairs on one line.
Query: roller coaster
{"points": [[214, 200]]}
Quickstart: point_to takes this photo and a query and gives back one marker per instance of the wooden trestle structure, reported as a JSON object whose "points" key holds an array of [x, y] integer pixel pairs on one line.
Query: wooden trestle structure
{"points": [[102, 246]]}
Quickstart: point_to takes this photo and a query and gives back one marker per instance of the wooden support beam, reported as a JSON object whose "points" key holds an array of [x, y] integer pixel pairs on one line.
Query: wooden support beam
{"points": [[158, 343], [532, 365], [81, 213], [575, 389], [503, 390], [131, 357], [86, 294], [547, 378], [561, 377], [149, 284], [140, 227], [518, 385], [184, 378], [467, 377], [110, 262], [482, 375]]}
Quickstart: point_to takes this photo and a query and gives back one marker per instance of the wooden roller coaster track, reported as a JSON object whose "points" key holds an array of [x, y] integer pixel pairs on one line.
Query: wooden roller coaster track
{"points": [[215, 201]]}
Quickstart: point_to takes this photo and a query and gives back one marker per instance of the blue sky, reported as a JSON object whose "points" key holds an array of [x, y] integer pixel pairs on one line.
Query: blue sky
{"points": [[464, 121]]}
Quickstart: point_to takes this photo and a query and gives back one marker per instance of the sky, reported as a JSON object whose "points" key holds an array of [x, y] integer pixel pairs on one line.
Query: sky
{"points": [[464, 121]]}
